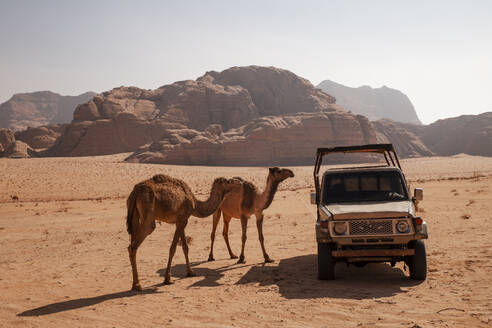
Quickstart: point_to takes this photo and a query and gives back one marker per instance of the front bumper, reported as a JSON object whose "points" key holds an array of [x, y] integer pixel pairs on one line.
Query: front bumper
{"points": [[373, 253]]}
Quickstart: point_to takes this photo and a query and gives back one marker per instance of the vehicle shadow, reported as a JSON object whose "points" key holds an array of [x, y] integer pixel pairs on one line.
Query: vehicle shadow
{"points": [[296, 278], [82, 302]]}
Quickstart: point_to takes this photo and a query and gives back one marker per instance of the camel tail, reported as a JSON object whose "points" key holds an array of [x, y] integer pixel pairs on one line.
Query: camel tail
{"points": [[131, 204]]}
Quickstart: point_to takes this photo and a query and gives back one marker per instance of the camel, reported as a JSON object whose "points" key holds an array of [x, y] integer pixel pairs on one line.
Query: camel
{"points": [[170, 200], [241, 204]]}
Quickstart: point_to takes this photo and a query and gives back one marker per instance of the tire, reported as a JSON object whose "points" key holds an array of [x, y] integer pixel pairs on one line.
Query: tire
{"points": [[326, 263], [418, 263]]}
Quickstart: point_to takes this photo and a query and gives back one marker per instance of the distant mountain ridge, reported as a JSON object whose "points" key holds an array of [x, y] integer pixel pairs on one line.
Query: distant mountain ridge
{"points": [[373, 103], [248, 115], [468, 134], [40, 108]]}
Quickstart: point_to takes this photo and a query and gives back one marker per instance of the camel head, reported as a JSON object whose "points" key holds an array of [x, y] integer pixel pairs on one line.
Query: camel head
{"points": [[279, 174]]}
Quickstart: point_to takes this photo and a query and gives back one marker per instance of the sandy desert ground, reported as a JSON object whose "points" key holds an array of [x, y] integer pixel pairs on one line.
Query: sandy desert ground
{"points": [[64, 262]]}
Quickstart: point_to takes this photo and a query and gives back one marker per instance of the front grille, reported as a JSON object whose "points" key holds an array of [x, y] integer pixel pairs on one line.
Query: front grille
{"points": [[371, 227]]}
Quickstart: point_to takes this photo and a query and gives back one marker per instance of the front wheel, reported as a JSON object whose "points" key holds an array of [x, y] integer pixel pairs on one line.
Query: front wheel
{"points": [[418, 262], [326, 263]]}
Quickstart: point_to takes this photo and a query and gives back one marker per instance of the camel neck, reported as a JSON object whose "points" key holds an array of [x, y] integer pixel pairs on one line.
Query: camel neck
{"points": [[208, 207], [269, 192]]}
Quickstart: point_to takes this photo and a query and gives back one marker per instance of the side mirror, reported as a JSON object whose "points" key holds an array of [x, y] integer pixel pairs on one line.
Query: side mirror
{"points": [[418, 194], [313, 198]]}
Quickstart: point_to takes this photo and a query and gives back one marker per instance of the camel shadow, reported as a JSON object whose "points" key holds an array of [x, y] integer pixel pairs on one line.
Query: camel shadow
{"points": [[210, 277], [296, 278], [81, 303]]}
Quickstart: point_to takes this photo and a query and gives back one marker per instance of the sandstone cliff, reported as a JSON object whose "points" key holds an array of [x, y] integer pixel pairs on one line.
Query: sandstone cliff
{"points": [[406, 138], [271, 140], [469, 134], [125, 118], [375, 103], [34, 109]]}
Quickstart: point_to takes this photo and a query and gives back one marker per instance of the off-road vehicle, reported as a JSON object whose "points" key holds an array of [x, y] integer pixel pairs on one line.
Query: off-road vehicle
{"points": [[367, 214]]}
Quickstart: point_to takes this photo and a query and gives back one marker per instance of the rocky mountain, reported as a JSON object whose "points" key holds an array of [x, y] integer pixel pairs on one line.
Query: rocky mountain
{"points": [[34, 109], [375, 104], [469, 134], [126, 118]]}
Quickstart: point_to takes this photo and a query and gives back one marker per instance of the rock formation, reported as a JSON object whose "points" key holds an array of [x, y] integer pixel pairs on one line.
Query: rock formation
{"points": [[9, 147], [34, 109], [375, 103], [19, 149], [41, 137], [7, 138], [242, 116], [271, 140], [125, 118], [406, 138], [469, 134]]}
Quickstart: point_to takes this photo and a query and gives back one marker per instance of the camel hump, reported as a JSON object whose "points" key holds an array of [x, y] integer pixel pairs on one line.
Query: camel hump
{"points": [[162, 178], [249, 192], [143, 191]]}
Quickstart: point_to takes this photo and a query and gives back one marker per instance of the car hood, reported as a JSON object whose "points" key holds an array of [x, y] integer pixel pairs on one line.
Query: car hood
{"points": [[369, 210]]}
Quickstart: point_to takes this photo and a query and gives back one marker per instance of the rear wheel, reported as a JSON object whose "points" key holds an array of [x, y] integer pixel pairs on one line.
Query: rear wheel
{"points": [[326, 263], [418, 262]]}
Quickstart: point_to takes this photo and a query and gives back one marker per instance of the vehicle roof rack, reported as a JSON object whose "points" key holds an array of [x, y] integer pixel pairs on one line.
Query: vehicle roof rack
{"points": [[373, 148], [387, 150]]}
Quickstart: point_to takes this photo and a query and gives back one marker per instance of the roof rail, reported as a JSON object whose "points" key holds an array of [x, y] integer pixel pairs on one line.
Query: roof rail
{"points": [[387, 150]]}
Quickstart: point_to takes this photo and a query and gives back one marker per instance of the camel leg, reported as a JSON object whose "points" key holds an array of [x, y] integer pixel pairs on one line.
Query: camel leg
{"points": [[172, 250], [139, 233], [132, 252], [184, 244], [259, 226], [225, 233], [244, 227], [216, 219]]}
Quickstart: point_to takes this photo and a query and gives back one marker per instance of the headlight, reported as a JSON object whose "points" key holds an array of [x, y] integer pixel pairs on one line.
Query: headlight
{"points": [[402, 226], [340, 228]]}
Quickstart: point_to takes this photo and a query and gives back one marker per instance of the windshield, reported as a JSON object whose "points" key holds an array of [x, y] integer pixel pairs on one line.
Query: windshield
{"points": [[363, 187]]}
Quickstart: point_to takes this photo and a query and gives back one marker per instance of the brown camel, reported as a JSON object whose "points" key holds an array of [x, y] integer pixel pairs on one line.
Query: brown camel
{"points": [[169, 200], [242, 203]]}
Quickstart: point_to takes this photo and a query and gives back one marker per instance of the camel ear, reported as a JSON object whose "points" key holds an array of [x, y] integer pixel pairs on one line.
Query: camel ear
{"points": [[271, 169]]}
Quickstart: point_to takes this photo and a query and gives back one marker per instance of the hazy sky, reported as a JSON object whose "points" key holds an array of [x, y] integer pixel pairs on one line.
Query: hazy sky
{"points": [[439, 53]]}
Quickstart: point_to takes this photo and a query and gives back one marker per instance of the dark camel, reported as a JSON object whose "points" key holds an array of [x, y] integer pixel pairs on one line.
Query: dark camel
{"points": [[170, 200], [242, 203]]}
